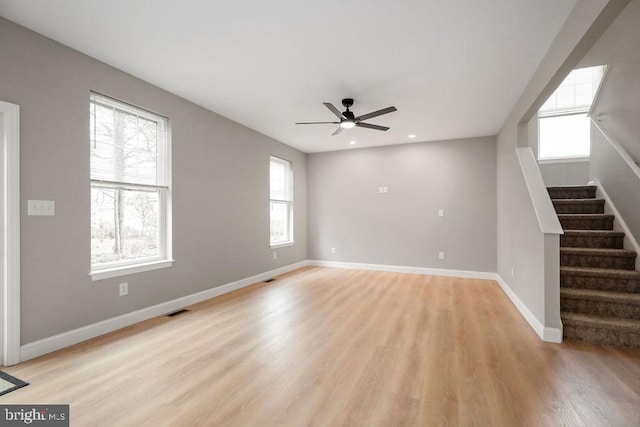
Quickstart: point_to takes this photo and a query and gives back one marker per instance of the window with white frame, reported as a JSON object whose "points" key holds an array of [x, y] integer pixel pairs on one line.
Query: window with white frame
{"points": [[281, 201], [563, 122], [130, 169]]}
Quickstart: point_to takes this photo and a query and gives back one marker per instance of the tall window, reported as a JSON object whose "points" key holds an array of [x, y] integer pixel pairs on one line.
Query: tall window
{"points": [[281, 203], [563, 122], [130, 185]]}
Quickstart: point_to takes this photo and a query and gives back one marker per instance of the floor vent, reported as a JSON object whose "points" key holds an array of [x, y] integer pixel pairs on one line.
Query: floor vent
{"points": [[269, 280], [176, 313]]}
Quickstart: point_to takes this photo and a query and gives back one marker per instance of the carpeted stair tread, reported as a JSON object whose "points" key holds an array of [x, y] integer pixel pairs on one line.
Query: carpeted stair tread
{"points": [[586, 221], [604, 330], [599, 286], [580, 201], [600, 279], [586, 216], [603, 296], [605, 322], [601, 272], [592, 239], [624, 253], [597, 258], [572, 192], [594, 233], [586, 206], [572, 187]]}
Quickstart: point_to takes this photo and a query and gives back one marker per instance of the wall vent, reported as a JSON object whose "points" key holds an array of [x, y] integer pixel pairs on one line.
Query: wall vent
{"points": [[176, 313]]}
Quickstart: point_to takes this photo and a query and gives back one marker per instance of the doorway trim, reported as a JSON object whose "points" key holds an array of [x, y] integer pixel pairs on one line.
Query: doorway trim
{"points": [[10, 233]]}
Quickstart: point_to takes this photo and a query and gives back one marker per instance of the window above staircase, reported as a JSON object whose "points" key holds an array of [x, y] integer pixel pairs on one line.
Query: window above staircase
{"points": [[563, 122]]}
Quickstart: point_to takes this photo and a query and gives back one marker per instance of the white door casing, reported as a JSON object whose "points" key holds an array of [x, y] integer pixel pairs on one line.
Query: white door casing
{"points": [[10, 233]]}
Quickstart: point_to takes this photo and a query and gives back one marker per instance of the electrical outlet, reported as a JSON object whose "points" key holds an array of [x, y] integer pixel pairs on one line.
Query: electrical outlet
{"points": [[275, 255], [124, 289], [512, 271], [333, 250], [441, 255], [440, 212]]}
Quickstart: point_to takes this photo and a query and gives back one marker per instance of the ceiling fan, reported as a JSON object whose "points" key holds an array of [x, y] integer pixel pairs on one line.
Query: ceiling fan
{"points": [[348, 120]]}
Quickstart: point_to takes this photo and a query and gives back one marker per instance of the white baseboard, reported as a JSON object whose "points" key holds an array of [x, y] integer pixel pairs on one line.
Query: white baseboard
{"points": [[65, 339], [405, 269], [547, 334], [553, 335]]}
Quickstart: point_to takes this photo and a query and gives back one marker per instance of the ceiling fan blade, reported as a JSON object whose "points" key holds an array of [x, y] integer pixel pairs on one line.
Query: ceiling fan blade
{"points": [[370, 126], [377, 113], [337, 131], [317, 123], [334, 110]]}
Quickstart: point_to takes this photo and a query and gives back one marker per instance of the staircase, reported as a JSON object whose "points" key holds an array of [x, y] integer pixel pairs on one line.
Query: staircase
{"points": [[599, 285]]}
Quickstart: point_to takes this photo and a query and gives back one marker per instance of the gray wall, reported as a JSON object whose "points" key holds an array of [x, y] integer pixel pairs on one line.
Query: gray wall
{"points": [[618, 106], [565, 173], [220, 190], [518, 242], [618, 179], [402, 227], [618, 109]]}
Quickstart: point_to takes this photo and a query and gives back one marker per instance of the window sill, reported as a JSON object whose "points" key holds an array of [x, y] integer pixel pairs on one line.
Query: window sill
{"points": [[281, 245], [564, 160], [108, 273]]}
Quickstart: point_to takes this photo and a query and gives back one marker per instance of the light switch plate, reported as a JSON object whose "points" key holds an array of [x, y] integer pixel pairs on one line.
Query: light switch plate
{"points": [[41, 207]]}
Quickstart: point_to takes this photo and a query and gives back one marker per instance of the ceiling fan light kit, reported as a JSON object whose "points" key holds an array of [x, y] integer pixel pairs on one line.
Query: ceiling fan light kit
{"points": [[348, 120]]}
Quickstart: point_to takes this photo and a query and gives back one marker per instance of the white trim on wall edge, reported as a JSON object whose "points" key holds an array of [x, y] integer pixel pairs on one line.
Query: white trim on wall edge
{"points": [[557, 160], [66, 339], [553, 335], [125, 270], [465, 274], [10, 259], [547, 334]]}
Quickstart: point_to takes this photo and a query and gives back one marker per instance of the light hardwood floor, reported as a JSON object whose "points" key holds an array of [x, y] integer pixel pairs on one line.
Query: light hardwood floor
{"points": [[330, 347]]}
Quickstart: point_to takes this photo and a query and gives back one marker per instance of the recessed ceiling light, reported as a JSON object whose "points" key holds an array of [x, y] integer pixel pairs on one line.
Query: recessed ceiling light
{"points": [[352, 142], [412, 136]]}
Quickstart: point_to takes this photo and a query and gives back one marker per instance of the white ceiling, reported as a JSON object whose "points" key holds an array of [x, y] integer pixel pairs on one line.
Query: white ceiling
{"points": [[453, 68]]}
